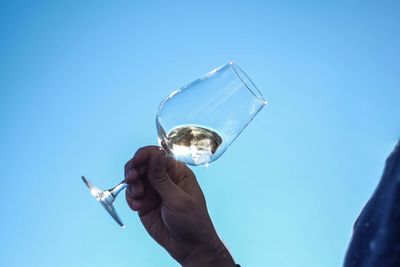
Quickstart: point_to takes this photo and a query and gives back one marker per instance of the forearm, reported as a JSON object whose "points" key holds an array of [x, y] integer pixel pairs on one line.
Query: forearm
{"points": [[214, 254]]}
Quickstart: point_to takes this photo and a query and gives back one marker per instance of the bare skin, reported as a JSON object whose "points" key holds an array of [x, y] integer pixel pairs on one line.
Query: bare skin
{"points": [[173, 209]]}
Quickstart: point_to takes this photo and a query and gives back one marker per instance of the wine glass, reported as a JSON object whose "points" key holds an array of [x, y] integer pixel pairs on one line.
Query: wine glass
{"points": [[197, 123]]}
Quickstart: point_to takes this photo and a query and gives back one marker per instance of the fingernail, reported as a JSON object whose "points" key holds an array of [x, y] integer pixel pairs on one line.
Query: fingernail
{"points": [[129, 190], [163, 153]]}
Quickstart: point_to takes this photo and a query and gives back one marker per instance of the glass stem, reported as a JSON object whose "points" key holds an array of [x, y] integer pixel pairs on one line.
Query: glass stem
{"points": [[118, 188]]}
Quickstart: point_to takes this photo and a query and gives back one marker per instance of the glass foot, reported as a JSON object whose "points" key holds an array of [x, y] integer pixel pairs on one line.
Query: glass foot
{"points": [[106, 197]]}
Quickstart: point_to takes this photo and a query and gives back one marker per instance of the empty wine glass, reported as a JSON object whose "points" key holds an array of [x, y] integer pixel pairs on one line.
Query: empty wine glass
{"points": [[197, 123]]}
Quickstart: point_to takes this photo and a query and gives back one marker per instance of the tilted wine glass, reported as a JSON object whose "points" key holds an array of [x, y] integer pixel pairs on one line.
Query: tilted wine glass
{"points": [[197, 123]]}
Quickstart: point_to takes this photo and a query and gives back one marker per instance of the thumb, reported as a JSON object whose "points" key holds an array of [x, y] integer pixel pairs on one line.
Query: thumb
{"points": [[159, 179]]}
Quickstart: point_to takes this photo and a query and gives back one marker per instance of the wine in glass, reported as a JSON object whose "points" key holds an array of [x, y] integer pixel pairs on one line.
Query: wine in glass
{"points": [[197, 123]]}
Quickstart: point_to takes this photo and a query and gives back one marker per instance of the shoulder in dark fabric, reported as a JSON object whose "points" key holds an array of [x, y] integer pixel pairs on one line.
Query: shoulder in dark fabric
{"points": [[376, 233]]}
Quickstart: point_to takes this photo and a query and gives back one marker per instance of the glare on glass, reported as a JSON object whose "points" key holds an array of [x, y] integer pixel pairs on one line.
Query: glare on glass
{"points": [[197, 123]]}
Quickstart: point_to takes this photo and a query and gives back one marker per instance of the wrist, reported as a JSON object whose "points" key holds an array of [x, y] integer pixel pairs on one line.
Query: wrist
{"points": [[213, 254]]}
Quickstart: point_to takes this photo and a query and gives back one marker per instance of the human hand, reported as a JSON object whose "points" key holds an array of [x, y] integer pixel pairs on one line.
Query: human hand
{"points": [[172, 208]]}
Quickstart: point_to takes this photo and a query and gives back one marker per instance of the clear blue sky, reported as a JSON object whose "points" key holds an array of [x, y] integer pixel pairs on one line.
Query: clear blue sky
{"points": [[80, 82]]}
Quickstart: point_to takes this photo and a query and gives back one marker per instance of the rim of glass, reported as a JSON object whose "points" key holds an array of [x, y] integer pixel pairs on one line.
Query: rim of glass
{"points": [[242, 76], [247, 82]]}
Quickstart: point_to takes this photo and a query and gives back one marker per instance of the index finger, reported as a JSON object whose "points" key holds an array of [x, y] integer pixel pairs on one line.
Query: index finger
{"points": [[144, 154]]}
